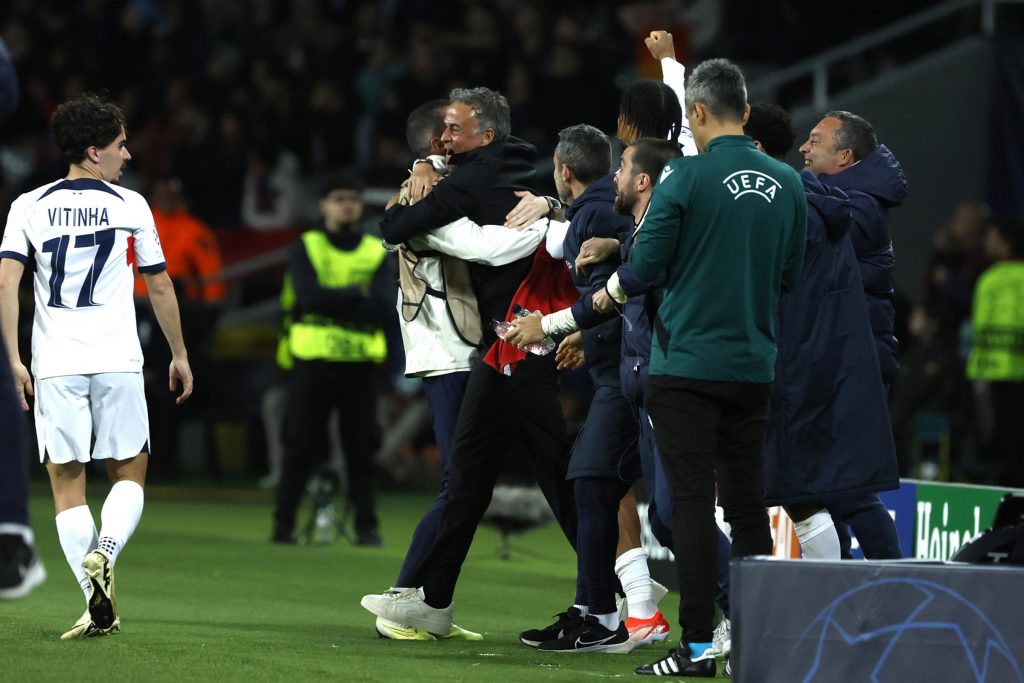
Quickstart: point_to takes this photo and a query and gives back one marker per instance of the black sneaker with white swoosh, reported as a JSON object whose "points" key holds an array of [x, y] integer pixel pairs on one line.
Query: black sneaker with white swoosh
{"points": [[590, 636]]}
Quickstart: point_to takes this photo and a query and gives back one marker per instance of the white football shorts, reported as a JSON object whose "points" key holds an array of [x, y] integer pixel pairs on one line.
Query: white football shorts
{"points": [[71, 409]]}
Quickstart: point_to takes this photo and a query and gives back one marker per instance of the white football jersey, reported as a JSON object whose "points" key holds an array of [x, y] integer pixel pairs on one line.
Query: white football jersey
{"points": [[83, 236]]}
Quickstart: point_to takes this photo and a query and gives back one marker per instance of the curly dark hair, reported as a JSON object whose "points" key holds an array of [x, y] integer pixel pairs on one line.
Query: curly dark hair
{"points": [[771, 125], [86, 121], [652, 109]]}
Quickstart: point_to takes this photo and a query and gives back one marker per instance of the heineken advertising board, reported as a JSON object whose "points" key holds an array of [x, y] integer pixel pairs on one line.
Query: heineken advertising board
{"points": [[933, 520], [950, 515]]}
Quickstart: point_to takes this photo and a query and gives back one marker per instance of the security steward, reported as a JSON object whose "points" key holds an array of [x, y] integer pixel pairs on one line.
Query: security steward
{"points": [[337, 299], [996, 361]]}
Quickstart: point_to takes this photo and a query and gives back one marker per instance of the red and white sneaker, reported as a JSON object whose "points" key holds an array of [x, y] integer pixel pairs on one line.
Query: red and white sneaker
{"points": [[645, 631]]}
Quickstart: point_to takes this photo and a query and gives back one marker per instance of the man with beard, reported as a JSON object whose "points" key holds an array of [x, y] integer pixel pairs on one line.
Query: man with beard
{"points": [[604, 461]]}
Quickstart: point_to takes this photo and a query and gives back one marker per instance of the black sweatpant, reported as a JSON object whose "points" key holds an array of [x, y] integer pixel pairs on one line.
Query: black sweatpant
{"points": [[498, 410], [702, 428], [314, 389]]}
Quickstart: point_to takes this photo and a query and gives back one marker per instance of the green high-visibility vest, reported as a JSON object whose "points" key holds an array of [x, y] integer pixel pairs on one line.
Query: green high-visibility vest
{"points": [[997, 325], [315, 337]]}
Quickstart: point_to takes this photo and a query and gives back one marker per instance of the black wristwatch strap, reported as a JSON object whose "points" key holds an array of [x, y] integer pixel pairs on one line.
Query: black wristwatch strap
{"points": [[553, 206]]}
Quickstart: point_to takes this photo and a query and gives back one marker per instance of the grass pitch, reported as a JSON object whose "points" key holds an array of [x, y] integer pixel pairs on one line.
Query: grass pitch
{"points": [[203, 596]]}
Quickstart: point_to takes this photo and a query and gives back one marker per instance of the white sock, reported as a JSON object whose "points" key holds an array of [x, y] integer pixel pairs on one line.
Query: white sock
{"points": [[610, 621], [631, 568], [584, 609], [12, 529], [120, 515], [77, 533], [818, 537]]}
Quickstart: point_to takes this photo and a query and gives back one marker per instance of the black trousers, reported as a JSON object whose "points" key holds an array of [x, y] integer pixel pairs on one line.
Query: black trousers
{"points": [[597, 501], [704, 428], [1006, 450], [13, 457], [496, 411], [314, 389]]}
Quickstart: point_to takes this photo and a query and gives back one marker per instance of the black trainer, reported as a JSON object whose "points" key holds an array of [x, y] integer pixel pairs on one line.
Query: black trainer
{"points": [[20, 568], [564, 621], [590, 636], [675, 664], [369, 538]]}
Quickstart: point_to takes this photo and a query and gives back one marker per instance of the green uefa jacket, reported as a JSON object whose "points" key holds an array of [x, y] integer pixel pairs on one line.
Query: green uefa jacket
{"points": [[727, 230]]}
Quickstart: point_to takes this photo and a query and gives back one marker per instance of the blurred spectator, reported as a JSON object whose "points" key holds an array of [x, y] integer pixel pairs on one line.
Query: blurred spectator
{"points": [[957, 260], [932, 380], [272, 191], [996, 361], [193, 264], [193, 257]]}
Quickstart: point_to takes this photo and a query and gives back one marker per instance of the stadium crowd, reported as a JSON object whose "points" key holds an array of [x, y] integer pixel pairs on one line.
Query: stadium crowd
{"points": [[273, 95], [733, 396]]}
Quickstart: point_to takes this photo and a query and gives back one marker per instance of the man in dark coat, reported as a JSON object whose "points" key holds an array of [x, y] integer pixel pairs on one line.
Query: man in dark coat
{"points": [[489, 165], [843, 151], [829, 442]]}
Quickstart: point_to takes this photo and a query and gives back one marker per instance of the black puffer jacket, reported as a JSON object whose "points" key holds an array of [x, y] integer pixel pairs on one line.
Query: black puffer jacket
{"points": [[874, 185]]}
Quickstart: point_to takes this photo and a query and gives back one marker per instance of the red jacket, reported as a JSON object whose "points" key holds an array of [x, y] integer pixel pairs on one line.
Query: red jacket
{"points": [[546, 288]]}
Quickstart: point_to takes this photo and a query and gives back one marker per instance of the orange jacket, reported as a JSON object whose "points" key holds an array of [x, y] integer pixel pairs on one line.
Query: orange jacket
{"points": [[191, 251]]}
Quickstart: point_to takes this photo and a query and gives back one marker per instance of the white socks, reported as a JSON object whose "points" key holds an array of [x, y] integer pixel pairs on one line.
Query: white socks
{"points": [[631, 568], [12, 529], [77, 532], [818, 537], [610, 621], [584, 609], [120, 515]]}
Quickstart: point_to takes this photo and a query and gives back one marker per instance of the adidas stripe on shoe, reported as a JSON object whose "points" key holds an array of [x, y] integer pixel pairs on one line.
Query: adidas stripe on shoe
{"points": [[675, 664]]}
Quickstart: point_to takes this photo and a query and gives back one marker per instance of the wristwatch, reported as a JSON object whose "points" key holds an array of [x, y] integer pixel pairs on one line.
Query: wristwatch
{"points": [[553, 206]]}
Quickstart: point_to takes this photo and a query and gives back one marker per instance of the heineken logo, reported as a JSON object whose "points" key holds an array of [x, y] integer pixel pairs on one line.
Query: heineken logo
{"points": [[747, 182]]}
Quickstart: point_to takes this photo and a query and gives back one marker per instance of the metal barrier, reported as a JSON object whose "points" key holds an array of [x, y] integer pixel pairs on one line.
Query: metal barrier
{"points": [[817, 67]]}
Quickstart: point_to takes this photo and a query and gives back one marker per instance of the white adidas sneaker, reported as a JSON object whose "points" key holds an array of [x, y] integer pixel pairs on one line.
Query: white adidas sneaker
{"points": [[721, 639]]}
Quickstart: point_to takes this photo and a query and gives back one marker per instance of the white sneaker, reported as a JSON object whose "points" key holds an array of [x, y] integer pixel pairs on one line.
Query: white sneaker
{"points": [[408, 606], [721, 639]]}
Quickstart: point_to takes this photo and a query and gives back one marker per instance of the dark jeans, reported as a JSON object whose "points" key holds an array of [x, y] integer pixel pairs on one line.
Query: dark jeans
{"points": [[314, 389], [498, 410], [703, 427], [444, 395], [13, 458]]}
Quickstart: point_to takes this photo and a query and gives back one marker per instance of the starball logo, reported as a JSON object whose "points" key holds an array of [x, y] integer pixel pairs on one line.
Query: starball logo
{"points": [[752, 182]]}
